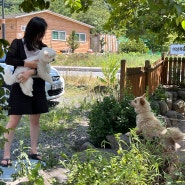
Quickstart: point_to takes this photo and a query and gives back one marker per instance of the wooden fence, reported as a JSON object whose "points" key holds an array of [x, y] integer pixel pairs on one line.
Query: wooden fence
{"points": [[168, 71]]}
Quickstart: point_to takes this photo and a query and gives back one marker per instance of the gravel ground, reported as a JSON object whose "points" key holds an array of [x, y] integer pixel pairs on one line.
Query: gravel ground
{"points": [[52, 144]]}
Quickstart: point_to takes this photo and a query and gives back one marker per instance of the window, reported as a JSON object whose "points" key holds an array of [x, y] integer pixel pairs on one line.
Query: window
{"points": [[23, 27], [81, 37], [59, 35]]}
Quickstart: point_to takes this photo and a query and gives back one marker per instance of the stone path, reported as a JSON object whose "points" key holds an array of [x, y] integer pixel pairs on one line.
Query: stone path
{"points": [[58, 173], [8, 171]]}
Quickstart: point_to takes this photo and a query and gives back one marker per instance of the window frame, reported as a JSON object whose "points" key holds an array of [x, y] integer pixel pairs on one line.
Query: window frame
{"points": [[23, 27], [79, 37], [58, 31]]}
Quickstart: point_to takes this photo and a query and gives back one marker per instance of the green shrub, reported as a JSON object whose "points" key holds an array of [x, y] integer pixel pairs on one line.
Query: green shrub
{"points": [[3, 105], [110, 116], [133, 46], [137, 166]]}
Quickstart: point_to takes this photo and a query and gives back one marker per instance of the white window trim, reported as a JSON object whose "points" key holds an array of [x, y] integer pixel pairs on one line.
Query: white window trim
{"points": [[79, 37], [23, 27], [58, 32]]}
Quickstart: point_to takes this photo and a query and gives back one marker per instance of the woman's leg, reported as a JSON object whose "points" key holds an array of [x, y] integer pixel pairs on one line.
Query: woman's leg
{"points": [[13, 122], [34, 132]]}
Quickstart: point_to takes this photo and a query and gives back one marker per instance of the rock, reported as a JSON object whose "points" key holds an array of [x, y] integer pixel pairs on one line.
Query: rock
{"points": [[175, 96], [87, 145], [114, 143], [178, 105], [180, 116], [78, 143], [172, 116], [169, 99], [169, 95], [181, 95], [163, 107], [155, 106]]}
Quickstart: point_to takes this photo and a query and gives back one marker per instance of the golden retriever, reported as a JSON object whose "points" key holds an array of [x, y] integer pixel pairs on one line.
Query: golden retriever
{"points": [[150, 127]]}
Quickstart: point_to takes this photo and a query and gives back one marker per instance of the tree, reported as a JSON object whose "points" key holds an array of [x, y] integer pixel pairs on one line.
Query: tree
{"points": [[59, 7], [97, 15], [74, 5], [72, 41], [140, 18], [134, 19]]}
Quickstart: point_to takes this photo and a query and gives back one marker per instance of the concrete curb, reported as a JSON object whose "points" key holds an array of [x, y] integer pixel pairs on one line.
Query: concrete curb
{"points": [[85, 69], [69, 68]]}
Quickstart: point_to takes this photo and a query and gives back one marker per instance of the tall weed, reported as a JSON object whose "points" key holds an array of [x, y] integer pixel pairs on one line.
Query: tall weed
{"points": [[110, 69], [132, 167]]}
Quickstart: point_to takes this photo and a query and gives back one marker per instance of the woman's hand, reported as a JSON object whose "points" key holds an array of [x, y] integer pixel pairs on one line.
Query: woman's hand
{"points": [[25, 75]]}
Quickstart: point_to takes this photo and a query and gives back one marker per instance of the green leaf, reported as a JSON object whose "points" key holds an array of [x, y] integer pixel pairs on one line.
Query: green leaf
{"points": [[183, 24]]}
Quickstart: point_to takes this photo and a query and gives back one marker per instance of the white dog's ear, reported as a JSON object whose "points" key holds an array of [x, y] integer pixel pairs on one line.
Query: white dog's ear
{"points": [[46, 54], [142, 101], [144, 95]]}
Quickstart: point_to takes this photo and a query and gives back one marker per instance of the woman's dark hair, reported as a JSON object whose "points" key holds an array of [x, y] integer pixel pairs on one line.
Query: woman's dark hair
{"points": [[35, 30]]}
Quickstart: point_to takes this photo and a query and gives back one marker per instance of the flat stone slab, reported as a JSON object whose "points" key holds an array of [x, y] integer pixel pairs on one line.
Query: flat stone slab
{"points": [[8, 171]]}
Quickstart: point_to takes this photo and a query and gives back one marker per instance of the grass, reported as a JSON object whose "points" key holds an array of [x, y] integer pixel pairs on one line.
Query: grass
{"points": [[94, 60]]}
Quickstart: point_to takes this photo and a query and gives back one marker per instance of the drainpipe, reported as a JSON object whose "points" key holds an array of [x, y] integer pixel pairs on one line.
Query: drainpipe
{"points": [[3, 21]]}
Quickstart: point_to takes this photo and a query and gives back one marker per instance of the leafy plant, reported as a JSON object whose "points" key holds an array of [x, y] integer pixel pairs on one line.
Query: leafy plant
{"points": [[24, 167], [51, 159], [110, 116], [52, 121], [159, 94], [102, 43], [3, 101], [34, 177], [72, 41], [110, 68], [133, 167]]}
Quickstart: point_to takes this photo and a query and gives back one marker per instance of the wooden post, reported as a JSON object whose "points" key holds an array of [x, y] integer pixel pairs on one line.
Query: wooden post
{"points": [[164, 72], [122, 79], [162, 55], [147, 77]]}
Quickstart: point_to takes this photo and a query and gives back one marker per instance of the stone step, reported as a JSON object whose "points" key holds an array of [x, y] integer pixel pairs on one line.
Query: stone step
{"points": [[10, 170]]}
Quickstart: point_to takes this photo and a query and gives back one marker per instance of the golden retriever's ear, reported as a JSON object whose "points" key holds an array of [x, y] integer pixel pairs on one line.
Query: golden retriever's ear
{"points": [[144, 95], [142, 101]]}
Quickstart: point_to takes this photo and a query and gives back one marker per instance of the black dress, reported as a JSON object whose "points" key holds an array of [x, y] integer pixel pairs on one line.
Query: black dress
{"points": [[19, 103]]}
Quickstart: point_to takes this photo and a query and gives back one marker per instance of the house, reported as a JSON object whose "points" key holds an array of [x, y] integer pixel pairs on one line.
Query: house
{"points": [[59, 29]]}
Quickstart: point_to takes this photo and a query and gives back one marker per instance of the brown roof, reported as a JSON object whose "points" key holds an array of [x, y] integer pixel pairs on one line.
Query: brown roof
{"points": [[49, 12]]}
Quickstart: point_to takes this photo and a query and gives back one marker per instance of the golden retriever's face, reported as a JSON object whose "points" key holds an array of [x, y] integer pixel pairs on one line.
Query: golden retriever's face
{"points": [[140, 104], [137, 102]]}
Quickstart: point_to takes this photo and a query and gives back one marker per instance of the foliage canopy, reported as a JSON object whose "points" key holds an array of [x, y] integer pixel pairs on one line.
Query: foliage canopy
{"points": [[149, 20]]}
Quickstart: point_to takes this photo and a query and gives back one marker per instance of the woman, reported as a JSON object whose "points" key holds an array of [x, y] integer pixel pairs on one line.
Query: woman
{"points": [[19, 103]]}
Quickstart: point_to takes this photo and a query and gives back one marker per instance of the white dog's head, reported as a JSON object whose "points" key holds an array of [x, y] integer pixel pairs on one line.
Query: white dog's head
{"points": [[140, 104], [47, 55]]}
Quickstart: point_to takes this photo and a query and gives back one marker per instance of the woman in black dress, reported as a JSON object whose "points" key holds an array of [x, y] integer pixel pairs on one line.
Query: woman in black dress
{"points": [[19, 103]]}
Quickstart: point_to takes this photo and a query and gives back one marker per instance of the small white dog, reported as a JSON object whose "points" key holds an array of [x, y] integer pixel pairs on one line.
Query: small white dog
{"points": [[150, 127], [45, 56]]}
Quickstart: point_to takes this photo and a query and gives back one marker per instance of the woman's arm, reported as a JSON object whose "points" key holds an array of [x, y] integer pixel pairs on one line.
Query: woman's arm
{"points": [[16, 54]]}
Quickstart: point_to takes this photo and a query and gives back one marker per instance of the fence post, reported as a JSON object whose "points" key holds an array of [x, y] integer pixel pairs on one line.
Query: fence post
{"points": [[164, 71], [122, 79], [162, 55], [147, 72]]}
